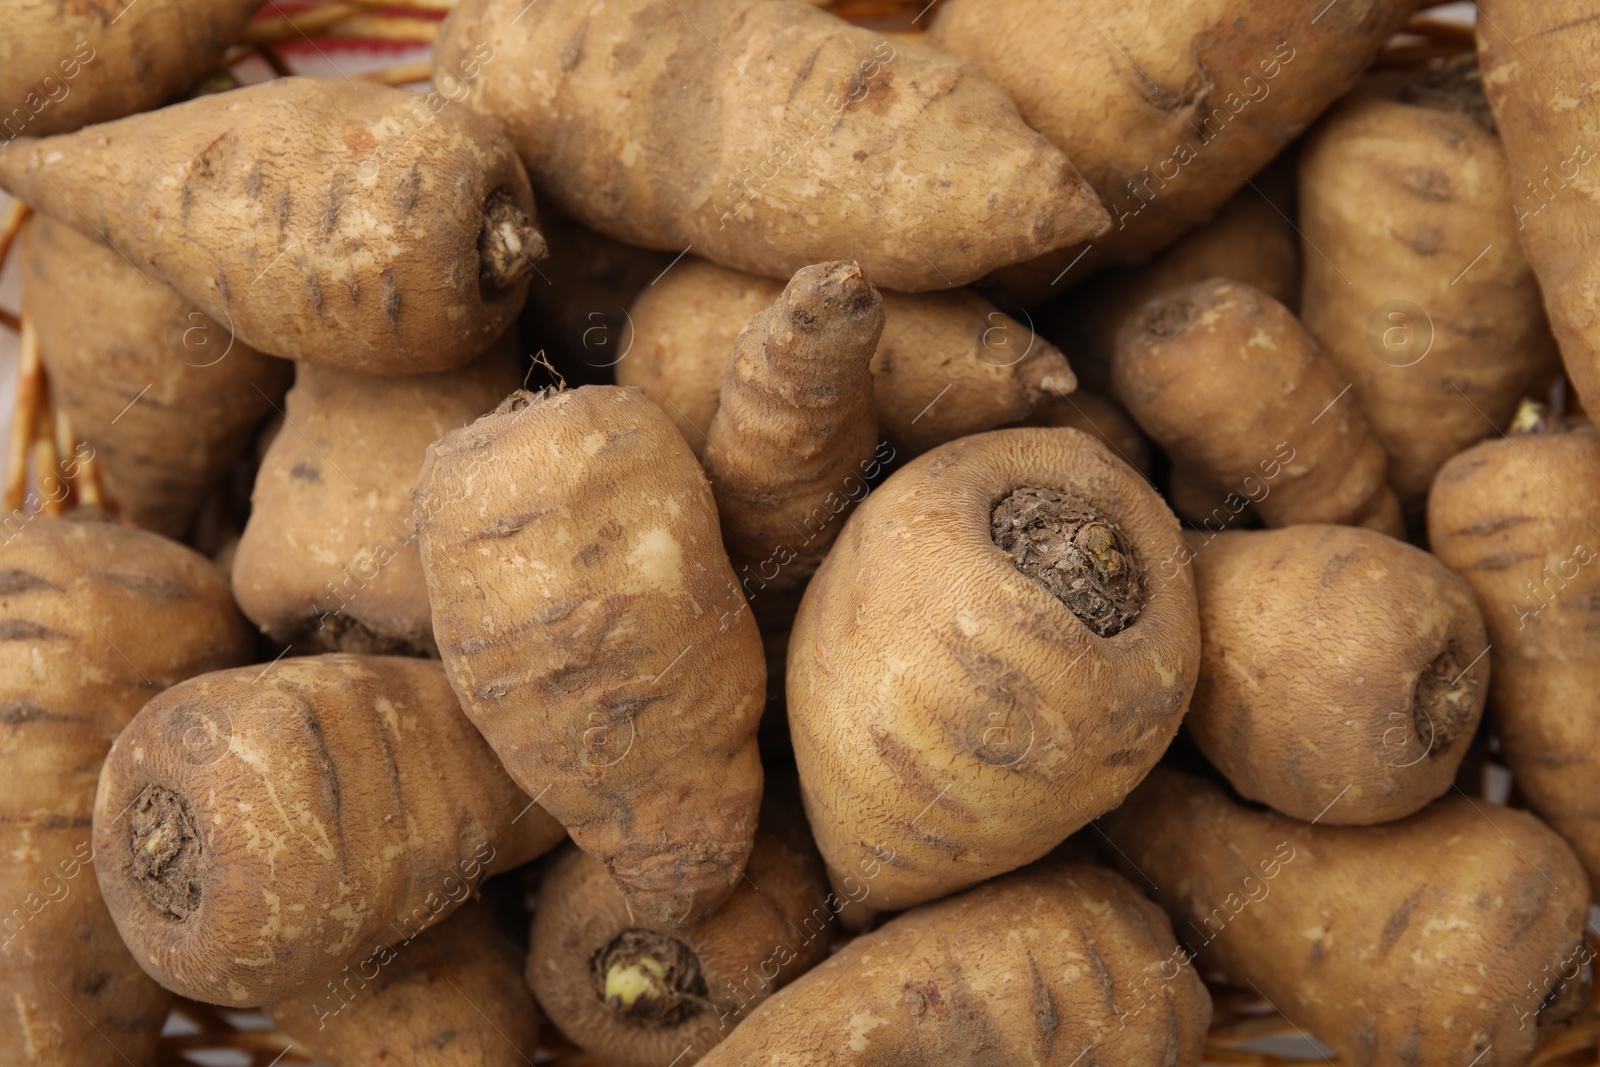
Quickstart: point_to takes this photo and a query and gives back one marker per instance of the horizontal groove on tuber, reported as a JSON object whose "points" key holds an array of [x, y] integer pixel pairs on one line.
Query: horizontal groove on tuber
{"points": [[509, 244], [165, 852], [648, 978], [1074, 553]]}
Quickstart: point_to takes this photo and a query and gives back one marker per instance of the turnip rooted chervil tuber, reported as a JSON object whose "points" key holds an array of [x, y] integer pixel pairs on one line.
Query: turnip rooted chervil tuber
{"points": [[989, 658], [589, 620], [261, 831], [768, 135], [369, 236]]}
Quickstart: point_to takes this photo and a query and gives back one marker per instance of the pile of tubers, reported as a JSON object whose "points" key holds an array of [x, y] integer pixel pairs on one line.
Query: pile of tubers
{"points": [[769, 533]]}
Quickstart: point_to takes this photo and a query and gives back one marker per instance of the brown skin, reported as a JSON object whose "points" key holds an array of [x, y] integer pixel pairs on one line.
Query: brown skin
{"points": [[331, 807], [1100, 417], [593, 630], [1223, 376], [108, 335], [453, 997], [1516, 518], [948, 364], [1538, 61], [634, 995], [1168, 111], [1249, 241], [767, 135], [1403, 191], [953, 717], [1430, 941], [328, 560], [378, 235], [952, 364], [63, 66], [1357, 732], [795, 431], [1056, 965], [96, 619], [679, 333]]}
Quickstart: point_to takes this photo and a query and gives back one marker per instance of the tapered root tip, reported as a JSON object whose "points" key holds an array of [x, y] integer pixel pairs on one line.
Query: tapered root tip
{"points": [[509, 244], [827, 292]]}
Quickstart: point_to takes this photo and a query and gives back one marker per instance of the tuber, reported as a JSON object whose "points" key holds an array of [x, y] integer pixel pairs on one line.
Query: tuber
{"points": [[1516, 517], [767, 136], [328, 560], [319, 219], [1224, 378], [1056, 965], [1538, 76], [167, 398], [267, 831], [948, 364], [591, 626], [1169, 110], [94, 620], [450, 997], [1414, 282], [985, 661], [637, 995], [63, 66], [795, 433], [1342, 672], [1437, 940]]}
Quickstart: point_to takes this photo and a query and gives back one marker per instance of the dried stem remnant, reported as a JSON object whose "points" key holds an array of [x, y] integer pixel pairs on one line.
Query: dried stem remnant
{"points": [[1077, 554], [509, 245], [646, 977], [164, 851]]}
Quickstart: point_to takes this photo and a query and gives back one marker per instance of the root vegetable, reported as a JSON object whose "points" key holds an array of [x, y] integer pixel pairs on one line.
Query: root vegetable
{"points": [[167, 398], [94, 619], [65, 66], [1224, 377], [985, 661], [1432, 941], [948, 364], [1516, 517], [1537, 58], [1302, 714], [1055, 965], [453, 997], [591, 626], [1168, 112], [377, 234], [952, 364], [329, 557], [634, 995], [768, 136], [1249, 241], [795, 431], [1431, 313], [332, 806]]}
